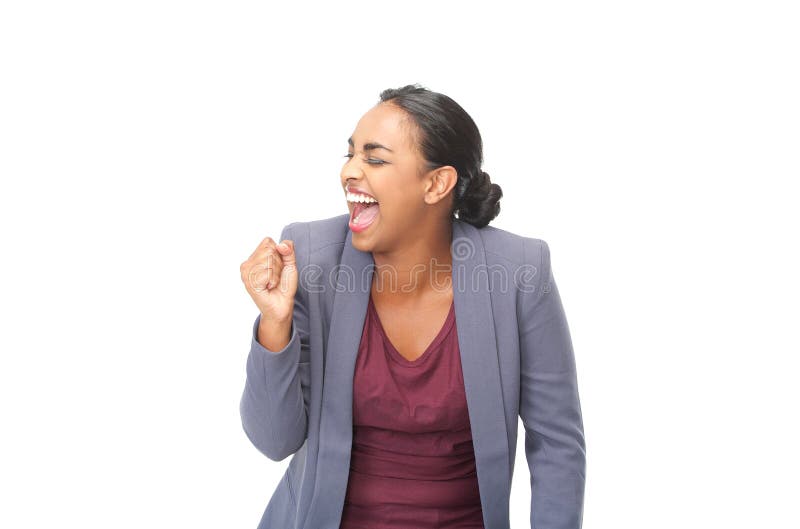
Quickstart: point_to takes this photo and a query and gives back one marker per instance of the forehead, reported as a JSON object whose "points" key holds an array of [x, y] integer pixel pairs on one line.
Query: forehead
{"points": [[385, 124]]}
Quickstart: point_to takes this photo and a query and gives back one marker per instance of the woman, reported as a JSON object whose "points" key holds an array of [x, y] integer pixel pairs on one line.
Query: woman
{"points": [[386, 361]]}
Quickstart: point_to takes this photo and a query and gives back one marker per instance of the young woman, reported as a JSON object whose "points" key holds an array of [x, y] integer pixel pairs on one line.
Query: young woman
{"points": [[396, 345]]}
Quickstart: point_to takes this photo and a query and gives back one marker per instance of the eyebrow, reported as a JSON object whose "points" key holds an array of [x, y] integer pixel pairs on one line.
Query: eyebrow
{"points": [[369, 146]]}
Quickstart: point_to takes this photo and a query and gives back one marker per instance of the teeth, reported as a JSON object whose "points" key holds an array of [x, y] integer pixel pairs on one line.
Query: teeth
{"points": [[354, 197]]}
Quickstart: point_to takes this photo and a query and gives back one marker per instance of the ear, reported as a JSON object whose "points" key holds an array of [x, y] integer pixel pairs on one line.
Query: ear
{"points": [[439, 182]]}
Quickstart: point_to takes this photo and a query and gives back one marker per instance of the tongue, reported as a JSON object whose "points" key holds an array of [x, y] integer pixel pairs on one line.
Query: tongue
{"points": [[367, 212]]}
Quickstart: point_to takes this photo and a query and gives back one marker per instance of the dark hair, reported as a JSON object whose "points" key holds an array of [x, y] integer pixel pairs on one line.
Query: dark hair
{"points": [[447, 135]]}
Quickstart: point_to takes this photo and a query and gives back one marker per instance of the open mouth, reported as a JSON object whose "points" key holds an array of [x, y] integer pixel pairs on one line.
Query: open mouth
{"points": [[363, 214]]}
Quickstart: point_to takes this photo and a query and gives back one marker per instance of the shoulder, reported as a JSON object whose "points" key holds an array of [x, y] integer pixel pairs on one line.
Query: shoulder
{"points": [[513, 248], [311, 236], [515, 259]]}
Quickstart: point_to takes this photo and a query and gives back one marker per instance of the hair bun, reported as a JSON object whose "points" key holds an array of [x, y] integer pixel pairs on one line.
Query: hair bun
{"points": [[480, 201]]}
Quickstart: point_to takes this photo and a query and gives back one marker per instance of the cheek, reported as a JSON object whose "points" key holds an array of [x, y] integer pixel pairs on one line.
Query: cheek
{"points": [[398, 207], [404, 196]]}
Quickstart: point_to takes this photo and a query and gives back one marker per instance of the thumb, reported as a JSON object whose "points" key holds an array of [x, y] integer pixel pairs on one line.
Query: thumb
{"points": [[288, 278], [286, 249]]}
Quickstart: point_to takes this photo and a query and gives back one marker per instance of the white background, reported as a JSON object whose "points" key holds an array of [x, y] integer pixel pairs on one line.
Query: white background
{"points": [[147, 147]]}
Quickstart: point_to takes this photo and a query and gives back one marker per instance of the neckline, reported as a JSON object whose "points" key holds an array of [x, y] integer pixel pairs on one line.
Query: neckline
{"points": [[395, 354]]}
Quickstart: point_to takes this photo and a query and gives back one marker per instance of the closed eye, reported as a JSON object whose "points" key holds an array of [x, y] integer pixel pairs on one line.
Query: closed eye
{"points": [[371, 161]]}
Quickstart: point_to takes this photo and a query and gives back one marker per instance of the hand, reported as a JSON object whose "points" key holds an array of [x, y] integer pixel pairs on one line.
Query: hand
{"points": [[270, 277]]}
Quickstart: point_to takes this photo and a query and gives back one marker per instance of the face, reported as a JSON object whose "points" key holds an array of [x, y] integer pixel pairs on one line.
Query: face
{"points": [[383, 162]]}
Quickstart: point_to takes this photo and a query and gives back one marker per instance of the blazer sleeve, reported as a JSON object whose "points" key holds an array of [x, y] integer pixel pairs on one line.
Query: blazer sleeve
{"points": [[550, 407], [274, 404]]}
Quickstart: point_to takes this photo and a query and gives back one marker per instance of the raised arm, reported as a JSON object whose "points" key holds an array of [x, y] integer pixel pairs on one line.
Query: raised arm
{"points": [[549, 402], [274, 403]]}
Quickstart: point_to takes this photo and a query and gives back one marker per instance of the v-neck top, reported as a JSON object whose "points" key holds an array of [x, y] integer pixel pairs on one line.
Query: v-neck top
{"points": [[394, 354], [412, 463]]}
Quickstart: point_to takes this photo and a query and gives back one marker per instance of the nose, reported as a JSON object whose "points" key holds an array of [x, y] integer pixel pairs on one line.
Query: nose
{"points": [[351, 170]]}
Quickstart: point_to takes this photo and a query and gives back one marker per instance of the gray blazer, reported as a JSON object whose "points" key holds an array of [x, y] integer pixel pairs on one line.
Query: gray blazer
{"points": [[516, 356]]}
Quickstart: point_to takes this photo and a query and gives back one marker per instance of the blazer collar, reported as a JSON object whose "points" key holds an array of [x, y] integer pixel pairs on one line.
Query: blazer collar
{"points": [[479, 363]]}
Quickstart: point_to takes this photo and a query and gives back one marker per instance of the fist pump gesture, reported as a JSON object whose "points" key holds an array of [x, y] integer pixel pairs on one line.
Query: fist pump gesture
{"points": [[270, 277]]}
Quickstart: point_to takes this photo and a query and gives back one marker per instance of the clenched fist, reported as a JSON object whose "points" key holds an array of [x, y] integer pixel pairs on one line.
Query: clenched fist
{"points": [[270, 277]]}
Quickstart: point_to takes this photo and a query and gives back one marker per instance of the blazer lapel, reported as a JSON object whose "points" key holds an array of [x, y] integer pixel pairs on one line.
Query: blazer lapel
{"points": [[353, 285], [479, 363], [481, 370]]}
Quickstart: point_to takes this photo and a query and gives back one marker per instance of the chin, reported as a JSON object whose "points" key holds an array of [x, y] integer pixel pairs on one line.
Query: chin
{"points": [[360, 244]]}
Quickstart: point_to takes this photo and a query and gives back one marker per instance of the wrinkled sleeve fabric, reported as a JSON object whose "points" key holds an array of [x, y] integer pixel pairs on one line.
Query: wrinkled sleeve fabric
{"points": [[550, 408], [274, 404]]}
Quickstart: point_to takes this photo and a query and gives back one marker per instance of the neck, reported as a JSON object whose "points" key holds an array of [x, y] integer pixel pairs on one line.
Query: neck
{"points": [[418, 268]]}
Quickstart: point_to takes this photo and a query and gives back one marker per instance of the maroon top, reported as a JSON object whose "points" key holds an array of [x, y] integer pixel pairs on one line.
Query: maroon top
{"points": [[412, 463]]}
